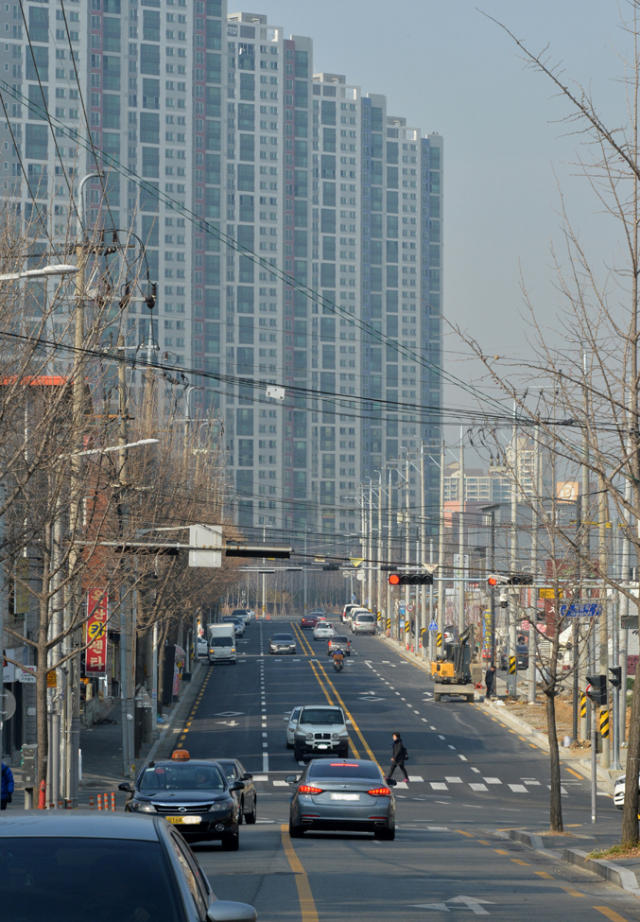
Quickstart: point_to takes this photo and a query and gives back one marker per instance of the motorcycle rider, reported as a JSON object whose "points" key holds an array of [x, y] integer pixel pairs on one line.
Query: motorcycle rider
{"points": [[338, 659]]}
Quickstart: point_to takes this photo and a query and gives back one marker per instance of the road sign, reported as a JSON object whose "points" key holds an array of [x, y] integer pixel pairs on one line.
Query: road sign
{"points": [[8, 701], [402, 610], [433, 626], [410, 606], [583, 610], [52, 679], [547, 592]]}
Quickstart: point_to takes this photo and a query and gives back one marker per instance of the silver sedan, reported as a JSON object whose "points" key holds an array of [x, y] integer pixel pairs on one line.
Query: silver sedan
{"points": [[347, 794]]}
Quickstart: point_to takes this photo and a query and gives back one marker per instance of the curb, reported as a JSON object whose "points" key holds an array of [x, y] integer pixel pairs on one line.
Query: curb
{"points": [[183, 706], [615, 874]]}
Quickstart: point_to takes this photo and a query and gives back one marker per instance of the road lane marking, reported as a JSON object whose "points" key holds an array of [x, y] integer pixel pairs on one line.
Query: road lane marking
{"points": [[477, 786], [453, 780], [464, 758], [571, 891], [492, 781], [518, 788], [438, 786], [500, 851], [351, 718], [305, 897], [545, 875], [610, 914], [321, 684], [484, 842], [470, 835], [575, 773], [525, 863]]}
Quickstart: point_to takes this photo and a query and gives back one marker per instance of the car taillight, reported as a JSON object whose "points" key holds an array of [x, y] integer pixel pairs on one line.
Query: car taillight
{"points": [[379, 792], [309, 789]]}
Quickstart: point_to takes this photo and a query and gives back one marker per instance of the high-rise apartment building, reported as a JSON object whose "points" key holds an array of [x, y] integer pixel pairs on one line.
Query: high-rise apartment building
{"points": [[215, 125]]}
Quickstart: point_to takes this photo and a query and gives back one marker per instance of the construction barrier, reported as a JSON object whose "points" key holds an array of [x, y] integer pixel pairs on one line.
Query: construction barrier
{"points": [[91, 807], [113, 801]]}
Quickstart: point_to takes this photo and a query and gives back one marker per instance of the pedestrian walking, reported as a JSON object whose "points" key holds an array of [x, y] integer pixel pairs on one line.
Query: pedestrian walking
{"points": [[490, 680], [6, 787], [398, 757]]}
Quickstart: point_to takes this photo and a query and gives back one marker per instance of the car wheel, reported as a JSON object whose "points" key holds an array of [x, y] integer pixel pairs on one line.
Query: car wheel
{"points": [[295, 832], [231, 842], [241, 813], [387, 835], [344, 753], [297, 753], [289, 745], [250, 818]]}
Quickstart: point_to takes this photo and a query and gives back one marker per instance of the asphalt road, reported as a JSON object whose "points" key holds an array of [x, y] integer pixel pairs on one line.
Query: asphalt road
{"points": [[470, 778]]}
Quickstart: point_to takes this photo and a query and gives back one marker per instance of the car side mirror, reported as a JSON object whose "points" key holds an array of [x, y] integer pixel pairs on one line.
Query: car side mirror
{"points": [[391, 782], [228, 911], [126, 786], [291, 779], [247, 776], [236, 786], [349, 723]]}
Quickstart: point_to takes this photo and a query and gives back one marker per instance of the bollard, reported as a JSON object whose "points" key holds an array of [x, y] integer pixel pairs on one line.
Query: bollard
{"points": [[42, 797], [91, 803], [113, 802], [99, 801]]}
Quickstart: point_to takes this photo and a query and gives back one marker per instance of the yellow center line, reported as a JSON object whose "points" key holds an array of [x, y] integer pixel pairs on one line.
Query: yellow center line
{"points": [[321, 683], [545, 875], [610, 914], [500, 851], [306, 643], [351, 718], [305, 897], [571, 891], [575, 774], [520, 861], [300, 637], [484, 842], [469, 835]]}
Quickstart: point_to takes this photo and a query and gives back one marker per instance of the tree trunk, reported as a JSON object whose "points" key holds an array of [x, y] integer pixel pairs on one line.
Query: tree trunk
{"points": [[630, 809], [42, 728], [555, 799]]}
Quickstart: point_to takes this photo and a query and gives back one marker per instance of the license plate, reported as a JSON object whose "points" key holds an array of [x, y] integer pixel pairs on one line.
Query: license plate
{"points": [[322, 746], [345, 797], [184, 820]]}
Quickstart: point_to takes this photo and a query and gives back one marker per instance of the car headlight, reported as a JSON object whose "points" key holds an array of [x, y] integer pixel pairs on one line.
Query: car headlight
{"points": [[309, 736], [142, 807], [344, 734], [233, 649], [335, 736], [219, 807]]}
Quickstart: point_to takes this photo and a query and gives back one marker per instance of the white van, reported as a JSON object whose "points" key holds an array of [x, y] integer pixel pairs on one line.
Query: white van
{"points": [[363, 622], [222, 643]]}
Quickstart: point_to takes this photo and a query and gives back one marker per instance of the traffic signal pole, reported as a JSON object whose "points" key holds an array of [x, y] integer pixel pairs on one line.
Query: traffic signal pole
{"points": [[594, 766], [512, 656]]}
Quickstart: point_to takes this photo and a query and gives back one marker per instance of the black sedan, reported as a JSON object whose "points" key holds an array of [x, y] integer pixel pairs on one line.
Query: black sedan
{"points": [[192, 794], [247, 797], [282, 643], [51, 861], [347, 794]]}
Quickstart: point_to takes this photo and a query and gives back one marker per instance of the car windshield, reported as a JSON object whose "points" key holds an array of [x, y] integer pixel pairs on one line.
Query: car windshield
{"points": [[283, 638], [321, 716], [230, 770], [182, 777], [364, 618], [339, 639], [54, 878], [221, 641], [237, 613], [350, 770]]}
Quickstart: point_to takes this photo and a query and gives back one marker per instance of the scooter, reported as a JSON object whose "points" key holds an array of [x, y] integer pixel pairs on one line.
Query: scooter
{"points": [[338, 660]]}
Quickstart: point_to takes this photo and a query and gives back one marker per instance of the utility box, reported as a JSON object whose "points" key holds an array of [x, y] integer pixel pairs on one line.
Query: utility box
{"points": [[29, 765]]}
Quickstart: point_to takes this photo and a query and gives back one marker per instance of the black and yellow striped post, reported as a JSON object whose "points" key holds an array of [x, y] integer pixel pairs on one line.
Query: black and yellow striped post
{"points": [[388, 624], [604, 723], [583, 705], [512, 665], [407, 626], [379, 616], [438, 639]]}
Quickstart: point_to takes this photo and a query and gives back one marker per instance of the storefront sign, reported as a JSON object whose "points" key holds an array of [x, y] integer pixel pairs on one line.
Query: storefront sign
{"points": [[96, 655]]}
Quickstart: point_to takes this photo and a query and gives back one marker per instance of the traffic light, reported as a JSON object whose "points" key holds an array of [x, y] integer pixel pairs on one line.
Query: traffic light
{"points": [[597, 689], [511, 579], [616, 676], [411, 579]]}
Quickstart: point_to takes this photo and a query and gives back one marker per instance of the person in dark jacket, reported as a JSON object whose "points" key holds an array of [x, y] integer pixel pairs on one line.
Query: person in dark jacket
{"points": [[6, 786], [398, 756], [490, 680]]}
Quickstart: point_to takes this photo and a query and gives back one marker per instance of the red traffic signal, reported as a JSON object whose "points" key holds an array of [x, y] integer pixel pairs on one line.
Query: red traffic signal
{"points": [[411, 579], [493, 581], [394, 579]]}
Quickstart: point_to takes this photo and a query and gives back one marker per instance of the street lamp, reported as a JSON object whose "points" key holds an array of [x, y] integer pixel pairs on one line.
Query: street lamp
{"points": [[44, 272]]}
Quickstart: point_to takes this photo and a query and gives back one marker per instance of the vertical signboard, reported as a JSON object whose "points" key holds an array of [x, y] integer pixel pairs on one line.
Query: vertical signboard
{"points": [[97, 610]]}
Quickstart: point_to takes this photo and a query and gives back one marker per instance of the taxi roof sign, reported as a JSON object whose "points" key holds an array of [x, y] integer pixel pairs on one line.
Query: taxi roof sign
{"points": [[180, 755]]}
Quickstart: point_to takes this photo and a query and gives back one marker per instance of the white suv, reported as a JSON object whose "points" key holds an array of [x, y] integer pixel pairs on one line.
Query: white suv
{"points": [[320, 730], [363, 622]]}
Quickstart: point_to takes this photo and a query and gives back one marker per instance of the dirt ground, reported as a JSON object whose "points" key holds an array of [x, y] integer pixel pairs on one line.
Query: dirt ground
{"points": [[536, 716]]}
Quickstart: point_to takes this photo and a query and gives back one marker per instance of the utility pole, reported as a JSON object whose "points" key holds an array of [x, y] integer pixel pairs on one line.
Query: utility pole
{"points": [[127, 628], [462, 572], [585, 516], [423, 560], [407, 548], [442, 590], [390, 611], [304, 572], [531, 669], [512, 679], [604, 617]]}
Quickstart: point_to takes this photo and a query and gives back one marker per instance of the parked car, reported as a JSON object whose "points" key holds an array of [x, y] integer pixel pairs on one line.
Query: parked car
{"points": [[247, 797], [323, 630], [282, 643], [52, 860], [339, 641], [292, 720], [618, 792], [321, 730], [202, 647], [192, 794], [364, 622], [351, 796], [522, 653]]}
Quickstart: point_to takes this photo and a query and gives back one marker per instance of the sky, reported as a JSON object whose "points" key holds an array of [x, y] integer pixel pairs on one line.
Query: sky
{"points": [[446, 67]]}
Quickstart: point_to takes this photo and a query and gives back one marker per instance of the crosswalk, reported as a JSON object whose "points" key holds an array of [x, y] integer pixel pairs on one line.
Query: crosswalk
{"points": [[451, 783]]}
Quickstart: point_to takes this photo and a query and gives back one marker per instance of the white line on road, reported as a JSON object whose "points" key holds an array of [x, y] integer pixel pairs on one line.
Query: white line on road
{"points": [[518, 788], [476, 770], [438, 786], [440, 736], [265, 762], [476, 786], [280, 784], [450, 746], [416, 778], [492, 781], [464, 758], [453, 780]]}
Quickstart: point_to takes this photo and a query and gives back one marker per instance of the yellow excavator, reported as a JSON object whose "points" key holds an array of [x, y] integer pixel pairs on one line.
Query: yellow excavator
{"points": [[456, 671]]}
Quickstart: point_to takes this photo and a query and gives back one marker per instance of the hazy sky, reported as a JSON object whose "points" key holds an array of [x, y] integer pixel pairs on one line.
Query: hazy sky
{"points": [[447, 68]]}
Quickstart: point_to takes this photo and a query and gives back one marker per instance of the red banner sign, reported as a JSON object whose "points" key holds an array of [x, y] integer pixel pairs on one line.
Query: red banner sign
{"points": [[97, 610]]}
